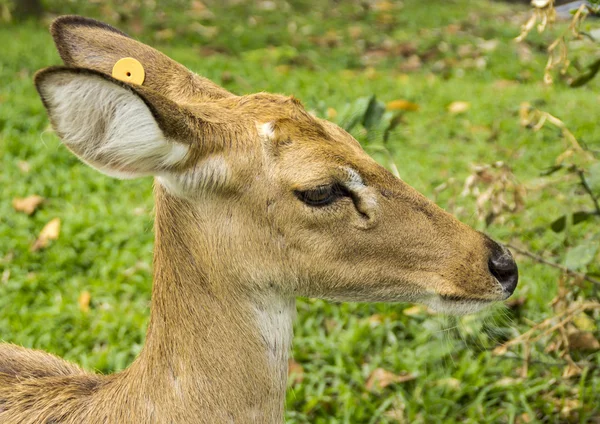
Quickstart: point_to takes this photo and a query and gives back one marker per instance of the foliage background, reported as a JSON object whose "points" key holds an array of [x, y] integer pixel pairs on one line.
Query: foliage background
{"points": [[450, 94]]}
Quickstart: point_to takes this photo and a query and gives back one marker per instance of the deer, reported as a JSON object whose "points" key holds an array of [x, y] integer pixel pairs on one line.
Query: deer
{"points": [[257, 202]]}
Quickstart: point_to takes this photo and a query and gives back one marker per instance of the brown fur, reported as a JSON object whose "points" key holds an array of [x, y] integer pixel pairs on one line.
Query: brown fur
{"points": [[235, 248]]}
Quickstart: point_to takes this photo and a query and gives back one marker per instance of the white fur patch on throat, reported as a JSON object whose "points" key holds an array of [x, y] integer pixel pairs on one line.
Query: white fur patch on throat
{"points": [[275, 317]]}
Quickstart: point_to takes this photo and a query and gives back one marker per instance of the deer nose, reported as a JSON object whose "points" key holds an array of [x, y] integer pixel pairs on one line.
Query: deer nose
{"points": [[504, 268]]}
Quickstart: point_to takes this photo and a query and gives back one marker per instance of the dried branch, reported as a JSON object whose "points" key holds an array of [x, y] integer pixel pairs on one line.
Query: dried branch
{"points": [[588, 190], [564, 269], [589, 365], [566, 316], [558, 51]]}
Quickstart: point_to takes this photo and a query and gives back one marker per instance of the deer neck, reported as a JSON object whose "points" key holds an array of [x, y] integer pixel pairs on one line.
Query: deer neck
{"points": [[213, 351]]}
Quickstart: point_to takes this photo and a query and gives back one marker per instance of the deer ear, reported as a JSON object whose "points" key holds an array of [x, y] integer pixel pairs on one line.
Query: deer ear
{"points": [[122, 131], [87, 43]]}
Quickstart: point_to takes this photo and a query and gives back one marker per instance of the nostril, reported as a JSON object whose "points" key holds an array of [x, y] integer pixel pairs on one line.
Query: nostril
{"points": [[504, 268]]}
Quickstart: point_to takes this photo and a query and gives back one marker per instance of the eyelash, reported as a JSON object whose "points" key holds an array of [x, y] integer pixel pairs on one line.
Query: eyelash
{"points": [[323, 195]]}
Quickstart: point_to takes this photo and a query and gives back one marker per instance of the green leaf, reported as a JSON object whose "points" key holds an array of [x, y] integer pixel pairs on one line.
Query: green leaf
{"points": [[559, 225], [576, 218], [581, 216], [593, 178], [354, 112], [373, 114], [394, 120], [587, 76], [552, 170], [579, 257]]}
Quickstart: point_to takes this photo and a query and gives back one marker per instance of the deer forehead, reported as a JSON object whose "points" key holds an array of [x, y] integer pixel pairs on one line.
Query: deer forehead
{"points": [[269, 128]]}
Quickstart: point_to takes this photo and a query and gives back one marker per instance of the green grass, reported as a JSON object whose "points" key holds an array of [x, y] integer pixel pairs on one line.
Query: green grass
{"points": [[314, 52]]}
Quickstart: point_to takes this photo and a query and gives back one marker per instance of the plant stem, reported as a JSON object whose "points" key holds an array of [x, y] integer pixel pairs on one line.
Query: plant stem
{"points": [[541, 260], [589, 191]]}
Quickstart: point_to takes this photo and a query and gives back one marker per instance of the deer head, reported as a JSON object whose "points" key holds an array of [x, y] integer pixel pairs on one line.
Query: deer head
{"points": [[257, 202], [282, 200]]}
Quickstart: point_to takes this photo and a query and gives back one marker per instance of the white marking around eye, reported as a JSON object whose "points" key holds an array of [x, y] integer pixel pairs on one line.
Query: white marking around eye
{"points": [[354, 182]]}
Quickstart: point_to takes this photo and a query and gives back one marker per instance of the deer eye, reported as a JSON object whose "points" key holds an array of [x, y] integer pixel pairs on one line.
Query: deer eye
{"points": [[323, 195]]}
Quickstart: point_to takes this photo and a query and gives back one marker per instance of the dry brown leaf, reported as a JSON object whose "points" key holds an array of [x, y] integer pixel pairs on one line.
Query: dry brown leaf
{"points": [[496, 191], [584, 322], [136, 25], [378, 319], [331, 325], [139, 211], [164, 34], [283, 69], [504, 83], [371, 72], [267, 5], [401, 104], [451, 383], [458, 107], [568, 407], [396, 414], [295, 372], [24, 166], [375, 320], [198, 6], [139, 266], [506, 382], [416, 310], [583, 341], [27, 204], [50, 231], [552, 347], [385, 18], [412, 63], [500, 350], [515, 302], [384, 6], [84, 301], [380, 379], [488, 45], [452, 28], [355, 31], [524, 53], [467, 50], [571, 371], [203, 30], [523, 418]]}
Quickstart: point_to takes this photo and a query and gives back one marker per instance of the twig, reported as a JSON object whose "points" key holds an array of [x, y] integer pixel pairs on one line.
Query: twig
{"points": [[562, 323], [553, 265], [590, 365], [525, 337], [589, 191]]}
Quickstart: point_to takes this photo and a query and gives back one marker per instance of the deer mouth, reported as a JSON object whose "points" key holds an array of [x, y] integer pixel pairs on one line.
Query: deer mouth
{"points": [[458, 305]]}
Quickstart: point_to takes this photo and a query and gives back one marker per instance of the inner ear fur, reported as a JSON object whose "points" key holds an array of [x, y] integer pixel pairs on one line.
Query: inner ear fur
{"points": [[139, 150], [174, 120], [87, 43]]}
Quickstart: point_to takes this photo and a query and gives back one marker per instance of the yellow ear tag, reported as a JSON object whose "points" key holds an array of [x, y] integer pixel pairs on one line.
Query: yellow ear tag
{"points": [[129, 70]]}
